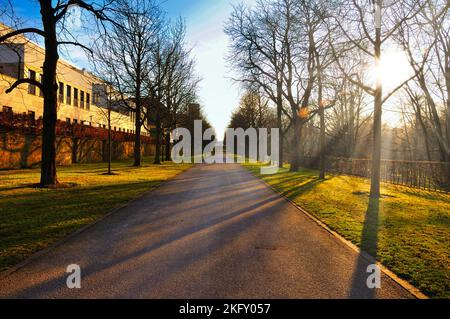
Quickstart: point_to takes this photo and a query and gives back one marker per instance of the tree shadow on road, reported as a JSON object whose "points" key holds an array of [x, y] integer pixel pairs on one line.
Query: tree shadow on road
{"points": [[368, 245], [237, 221]]}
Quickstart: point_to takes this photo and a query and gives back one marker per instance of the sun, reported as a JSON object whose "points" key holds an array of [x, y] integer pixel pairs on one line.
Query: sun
{"points": [[394, 69]]}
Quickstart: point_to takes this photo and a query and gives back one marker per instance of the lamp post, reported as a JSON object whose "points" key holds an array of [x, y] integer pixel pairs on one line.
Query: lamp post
{"points": [[376, 154]]}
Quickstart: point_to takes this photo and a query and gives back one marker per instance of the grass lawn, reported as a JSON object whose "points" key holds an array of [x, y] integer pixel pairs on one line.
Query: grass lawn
{"points": [[408, 230], [33, 218]]}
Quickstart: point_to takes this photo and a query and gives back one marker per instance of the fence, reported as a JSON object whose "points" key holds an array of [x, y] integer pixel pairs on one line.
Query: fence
{"points": [[433, 176]]}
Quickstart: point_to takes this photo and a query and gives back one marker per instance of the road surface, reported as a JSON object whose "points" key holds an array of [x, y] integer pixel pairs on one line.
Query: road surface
{"points": [[214, 231]]}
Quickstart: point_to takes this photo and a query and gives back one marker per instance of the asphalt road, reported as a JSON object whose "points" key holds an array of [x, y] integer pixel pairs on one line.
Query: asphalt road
{"points": [[215, 231]]}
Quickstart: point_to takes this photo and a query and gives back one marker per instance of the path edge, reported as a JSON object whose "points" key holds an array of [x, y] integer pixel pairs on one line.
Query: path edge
{"points": [[403, 283]]}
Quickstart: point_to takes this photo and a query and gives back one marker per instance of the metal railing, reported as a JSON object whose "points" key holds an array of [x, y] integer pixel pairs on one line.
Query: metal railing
{"points": [[434, 176]]}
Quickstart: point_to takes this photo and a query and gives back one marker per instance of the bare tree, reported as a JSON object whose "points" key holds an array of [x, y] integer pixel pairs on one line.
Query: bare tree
{"points": [[277, 45], [426, 42], [181, 88], [53, 15], [111, 111], [355, 20], [125, 54], [167, 49], [257, 54]]}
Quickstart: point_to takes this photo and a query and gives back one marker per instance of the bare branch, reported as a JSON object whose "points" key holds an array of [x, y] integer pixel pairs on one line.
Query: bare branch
{"points": [[22, 81], [14, 33], [76, 44]]}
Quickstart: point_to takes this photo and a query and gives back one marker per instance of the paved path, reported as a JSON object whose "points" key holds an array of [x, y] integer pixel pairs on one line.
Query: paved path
{"points": [[215, 231]]}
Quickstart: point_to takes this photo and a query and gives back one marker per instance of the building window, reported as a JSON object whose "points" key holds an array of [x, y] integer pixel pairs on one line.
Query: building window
{"points": [[41, 93], [95, 99], [88, 101], [68, 120], [69, 95], [75, 97], [31, 87], [61, 92], [82, 99], [7, 110]]}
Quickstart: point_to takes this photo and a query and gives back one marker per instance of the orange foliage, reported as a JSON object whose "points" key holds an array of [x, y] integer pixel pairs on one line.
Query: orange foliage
{"points": [[303, 113]]}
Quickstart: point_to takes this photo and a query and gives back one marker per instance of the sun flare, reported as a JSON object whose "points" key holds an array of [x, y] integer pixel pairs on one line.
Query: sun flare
{"points": [[394, 69]]}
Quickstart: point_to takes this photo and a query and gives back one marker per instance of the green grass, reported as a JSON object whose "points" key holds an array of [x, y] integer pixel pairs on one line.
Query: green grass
{"points": [[408, 230], [32, 218]]}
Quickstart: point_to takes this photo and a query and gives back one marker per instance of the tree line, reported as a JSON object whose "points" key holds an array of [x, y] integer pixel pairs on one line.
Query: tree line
{"points": [[311, 61], [135, 49]]}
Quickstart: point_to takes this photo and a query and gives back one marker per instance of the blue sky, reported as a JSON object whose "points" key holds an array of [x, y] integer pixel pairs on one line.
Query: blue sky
{"points": [[204, 20]]}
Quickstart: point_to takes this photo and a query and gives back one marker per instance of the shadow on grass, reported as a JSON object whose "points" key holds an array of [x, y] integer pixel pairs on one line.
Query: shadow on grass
{"points": [[30, 219], [20, 186], [369, 244], [303, 188], [430, 195], [295, 184]]}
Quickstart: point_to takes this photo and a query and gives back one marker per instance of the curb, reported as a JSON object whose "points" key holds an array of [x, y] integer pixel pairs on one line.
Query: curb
{"points": [[403, 283], [65, 239]]}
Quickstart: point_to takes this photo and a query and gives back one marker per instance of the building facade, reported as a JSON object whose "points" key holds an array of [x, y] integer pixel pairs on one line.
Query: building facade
{"points": [[83, 116], [81, 96]]}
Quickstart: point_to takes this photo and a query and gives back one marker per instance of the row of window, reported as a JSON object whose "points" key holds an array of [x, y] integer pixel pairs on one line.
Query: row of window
{"points": [[80, 98]]}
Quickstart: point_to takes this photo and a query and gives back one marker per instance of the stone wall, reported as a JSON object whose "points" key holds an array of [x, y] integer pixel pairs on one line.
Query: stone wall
{"points": [[20, 150]]}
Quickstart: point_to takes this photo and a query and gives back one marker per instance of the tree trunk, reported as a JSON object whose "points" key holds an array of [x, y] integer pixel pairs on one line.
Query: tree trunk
{"points": [[75, 144], [168, 155], [322, 134], [49, 88], [104, 151], [137, 136], [447, 118], [158, 141], [351, 138], [376, 155], [280, 123], [296, 139], [322, 119], [109, 140]]}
